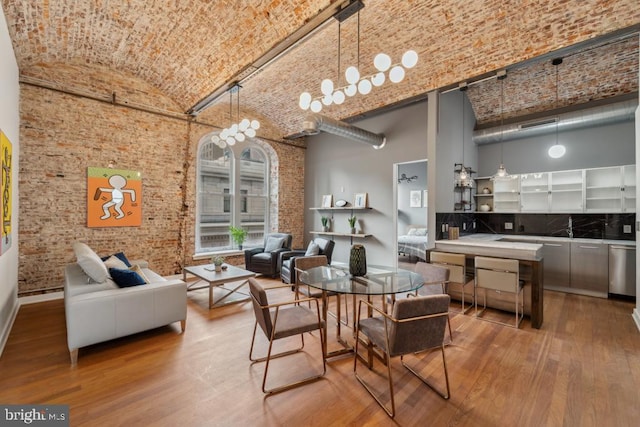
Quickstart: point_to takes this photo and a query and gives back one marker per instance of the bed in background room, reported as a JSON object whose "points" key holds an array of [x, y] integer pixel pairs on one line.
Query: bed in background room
{"points": [[414, 243]]}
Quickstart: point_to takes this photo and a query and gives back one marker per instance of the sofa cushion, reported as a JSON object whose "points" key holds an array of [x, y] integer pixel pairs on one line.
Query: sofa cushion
{"points": [[312, 249], [273, 243], [126, 278], [121, 256], [90, 262], [115, 262], [138, 270]]}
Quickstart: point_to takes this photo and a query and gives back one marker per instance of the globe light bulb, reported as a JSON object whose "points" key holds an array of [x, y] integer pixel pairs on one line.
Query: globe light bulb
{"points": [[255, 125], [396, 75], [351, 90], [316, 106], [557, 151], [244, 124], [222, 144], [378, 79], [224, 134], [240, 137], [338, 97], [326, 87], [364, 87], [327, 100], [409, 59], [305, 100], [233, 130], [352, 75], [251, 133], [382, 62], [231, 140], [215, 139]]}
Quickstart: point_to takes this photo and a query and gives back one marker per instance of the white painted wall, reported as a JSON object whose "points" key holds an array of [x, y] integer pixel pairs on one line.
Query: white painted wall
{"points": [[10, 125]]}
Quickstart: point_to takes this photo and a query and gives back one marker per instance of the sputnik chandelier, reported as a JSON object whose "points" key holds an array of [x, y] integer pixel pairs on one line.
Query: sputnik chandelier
{"points": [[356, 83], [237, 132]]}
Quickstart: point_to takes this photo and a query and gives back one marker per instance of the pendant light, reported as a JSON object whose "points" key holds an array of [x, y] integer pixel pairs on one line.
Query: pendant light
{"points": [[557, 150], [463, 175], [502, 171]]}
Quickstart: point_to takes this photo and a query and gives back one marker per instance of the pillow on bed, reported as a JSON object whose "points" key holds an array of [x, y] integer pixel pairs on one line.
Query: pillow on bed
{"points": [[421, 231], [411, 232]]}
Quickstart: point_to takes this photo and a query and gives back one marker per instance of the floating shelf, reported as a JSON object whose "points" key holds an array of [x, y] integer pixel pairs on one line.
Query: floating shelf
{"points": [[333, 233]]}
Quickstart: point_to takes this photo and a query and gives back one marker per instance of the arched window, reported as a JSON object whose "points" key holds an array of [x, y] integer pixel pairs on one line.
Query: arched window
{"points": [[232, 189]]}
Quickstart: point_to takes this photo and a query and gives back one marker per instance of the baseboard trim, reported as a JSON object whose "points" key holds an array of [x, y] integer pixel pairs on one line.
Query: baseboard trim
{"points": [[9, 325], [32, 299]]}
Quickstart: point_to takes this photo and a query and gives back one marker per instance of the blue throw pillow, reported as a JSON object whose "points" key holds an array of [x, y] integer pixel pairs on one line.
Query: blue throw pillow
{"points": [[120, 256], [126, 278]]}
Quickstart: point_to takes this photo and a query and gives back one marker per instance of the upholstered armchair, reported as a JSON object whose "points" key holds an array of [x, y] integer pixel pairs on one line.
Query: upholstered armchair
{"points": [[265, 260], [317, 246]]}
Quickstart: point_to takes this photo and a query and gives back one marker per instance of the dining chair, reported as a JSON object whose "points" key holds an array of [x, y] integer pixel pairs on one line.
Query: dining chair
{"points": [[415, 325], [283, 320], [458, 285], [501, 276], [435, 283]]}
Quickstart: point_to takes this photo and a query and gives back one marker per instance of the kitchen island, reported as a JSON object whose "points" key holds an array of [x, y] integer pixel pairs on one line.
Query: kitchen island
{"points": [[528, 254]]}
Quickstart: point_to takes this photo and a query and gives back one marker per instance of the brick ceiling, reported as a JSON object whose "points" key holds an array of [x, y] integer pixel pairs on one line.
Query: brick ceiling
{"points": [[186, 49]]}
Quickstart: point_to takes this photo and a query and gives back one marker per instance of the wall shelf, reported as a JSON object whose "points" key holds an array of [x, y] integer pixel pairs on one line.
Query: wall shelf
{"points": [[333, 233], [336, 208]]}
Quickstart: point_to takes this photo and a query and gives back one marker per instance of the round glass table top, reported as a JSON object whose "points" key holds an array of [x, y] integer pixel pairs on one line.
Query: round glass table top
{"points": [[379, 280]]}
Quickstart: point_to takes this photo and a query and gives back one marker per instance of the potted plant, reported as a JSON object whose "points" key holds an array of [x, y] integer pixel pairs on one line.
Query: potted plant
{"points": [[238, 234], [325, 223], [352, 224], [217, 261]]}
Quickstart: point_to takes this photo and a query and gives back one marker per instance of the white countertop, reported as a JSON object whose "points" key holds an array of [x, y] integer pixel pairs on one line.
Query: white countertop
{"points": [[486, 246], [519, 237]]}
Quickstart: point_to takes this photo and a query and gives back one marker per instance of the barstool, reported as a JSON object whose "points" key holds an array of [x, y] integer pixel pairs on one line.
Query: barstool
{"points": [[499, 275], [456, 264]]}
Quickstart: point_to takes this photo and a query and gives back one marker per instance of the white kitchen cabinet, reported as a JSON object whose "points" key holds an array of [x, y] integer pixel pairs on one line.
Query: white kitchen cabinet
{"points": [[506, 194], [566, 191], [603, 189], [534, 192], [629, 188]]}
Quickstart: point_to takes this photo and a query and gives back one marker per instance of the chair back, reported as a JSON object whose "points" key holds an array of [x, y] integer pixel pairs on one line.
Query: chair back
{"points": [[326, 247], [497, 273], [307, 262], [432, 273], [259, 299], [286, 236], [456, 263], [422, 333]]}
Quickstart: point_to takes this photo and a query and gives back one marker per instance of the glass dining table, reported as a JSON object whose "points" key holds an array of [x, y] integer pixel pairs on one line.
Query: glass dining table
{"points": [[379, 281]]}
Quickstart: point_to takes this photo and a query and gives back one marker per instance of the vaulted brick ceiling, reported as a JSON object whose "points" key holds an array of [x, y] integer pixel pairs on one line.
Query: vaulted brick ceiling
{"points": [[186, 49]]}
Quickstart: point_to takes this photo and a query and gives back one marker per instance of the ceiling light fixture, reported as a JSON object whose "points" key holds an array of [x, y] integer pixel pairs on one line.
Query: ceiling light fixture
{"points": [[237, 132], [355, 83], [463, 175], [557, 150], [502, 171]]}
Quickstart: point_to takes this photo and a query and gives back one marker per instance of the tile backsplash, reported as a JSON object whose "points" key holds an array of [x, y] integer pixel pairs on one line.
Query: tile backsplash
{"points": [[592, 226]]}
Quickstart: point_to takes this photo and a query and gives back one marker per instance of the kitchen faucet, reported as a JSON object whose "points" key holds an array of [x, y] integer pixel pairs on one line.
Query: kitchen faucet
{"points": [[570, 228]]}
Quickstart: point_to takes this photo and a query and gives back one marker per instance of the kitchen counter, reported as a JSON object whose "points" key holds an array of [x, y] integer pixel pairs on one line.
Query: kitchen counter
{"points": [[527, 237]]}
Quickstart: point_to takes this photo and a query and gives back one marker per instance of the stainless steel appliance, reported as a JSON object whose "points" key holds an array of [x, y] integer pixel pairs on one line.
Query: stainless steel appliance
{"points": [[622, 270]]}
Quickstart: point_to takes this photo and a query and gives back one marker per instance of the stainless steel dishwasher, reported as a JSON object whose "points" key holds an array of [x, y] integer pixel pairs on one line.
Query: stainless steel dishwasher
{"points": [[622, 270]]}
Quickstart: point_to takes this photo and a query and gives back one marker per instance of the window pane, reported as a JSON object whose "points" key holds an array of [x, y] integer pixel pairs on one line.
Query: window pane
{"points": [[253, 191], [214, 198], [252, 172], [254, 220]]}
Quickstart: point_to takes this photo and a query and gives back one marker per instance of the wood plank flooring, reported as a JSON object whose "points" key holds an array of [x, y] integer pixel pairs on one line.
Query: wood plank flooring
{"points": [[581, 369]]}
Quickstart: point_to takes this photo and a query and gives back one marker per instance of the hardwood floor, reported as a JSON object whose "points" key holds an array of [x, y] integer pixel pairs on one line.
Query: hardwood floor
{"points": [[581, 369]]}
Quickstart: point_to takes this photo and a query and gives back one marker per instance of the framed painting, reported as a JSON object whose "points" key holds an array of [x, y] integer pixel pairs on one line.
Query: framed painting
{"points": [[7, 156], [415, 198], [114, 197], [327, 201], [360, 200]]}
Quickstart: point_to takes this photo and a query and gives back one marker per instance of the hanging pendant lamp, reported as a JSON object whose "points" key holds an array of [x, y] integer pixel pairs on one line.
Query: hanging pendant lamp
{"points": [[557, 150], [502, 171]]}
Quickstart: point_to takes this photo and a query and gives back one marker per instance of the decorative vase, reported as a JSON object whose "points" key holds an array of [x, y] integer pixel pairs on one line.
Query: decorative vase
{"points": [[353, 230], [325, 228], [218, 268], [358, 261]]}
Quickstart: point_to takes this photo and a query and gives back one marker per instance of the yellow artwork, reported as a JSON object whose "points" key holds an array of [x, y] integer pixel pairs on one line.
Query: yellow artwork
{"points": [[114, 198], [6, 153]]}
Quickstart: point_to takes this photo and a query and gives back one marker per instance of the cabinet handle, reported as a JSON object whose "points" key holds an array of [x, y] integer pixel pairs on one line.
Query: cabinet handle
{"points": [[552, 244], [588, 247]]}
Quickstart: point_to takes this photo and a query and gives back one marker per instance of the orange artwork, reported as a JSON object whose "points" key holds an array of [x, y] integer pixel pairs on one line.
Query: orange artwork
{"points": [[114, 198]]}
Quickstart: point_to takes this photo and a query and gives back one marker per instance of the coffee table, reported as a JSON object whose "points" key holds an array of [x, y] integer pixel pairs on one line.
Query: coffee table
{"points": [[206, 273]]}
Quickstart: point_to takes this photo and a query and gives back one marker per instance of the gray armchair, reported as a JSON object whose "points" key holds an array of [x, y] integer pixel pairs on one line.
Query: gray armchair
{"points": [[288, 258], [265, 260]]}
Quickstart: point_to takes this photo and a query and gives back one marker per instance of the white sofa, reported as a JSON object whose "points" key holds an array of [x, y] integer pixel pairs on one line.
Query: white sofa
{"points": [[97, 312]]}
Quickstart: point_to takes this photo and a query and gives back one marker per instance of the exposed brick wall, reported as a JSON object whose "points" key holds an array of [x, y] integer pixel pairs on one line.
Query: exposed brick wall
{"points": [[62, 135]]}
